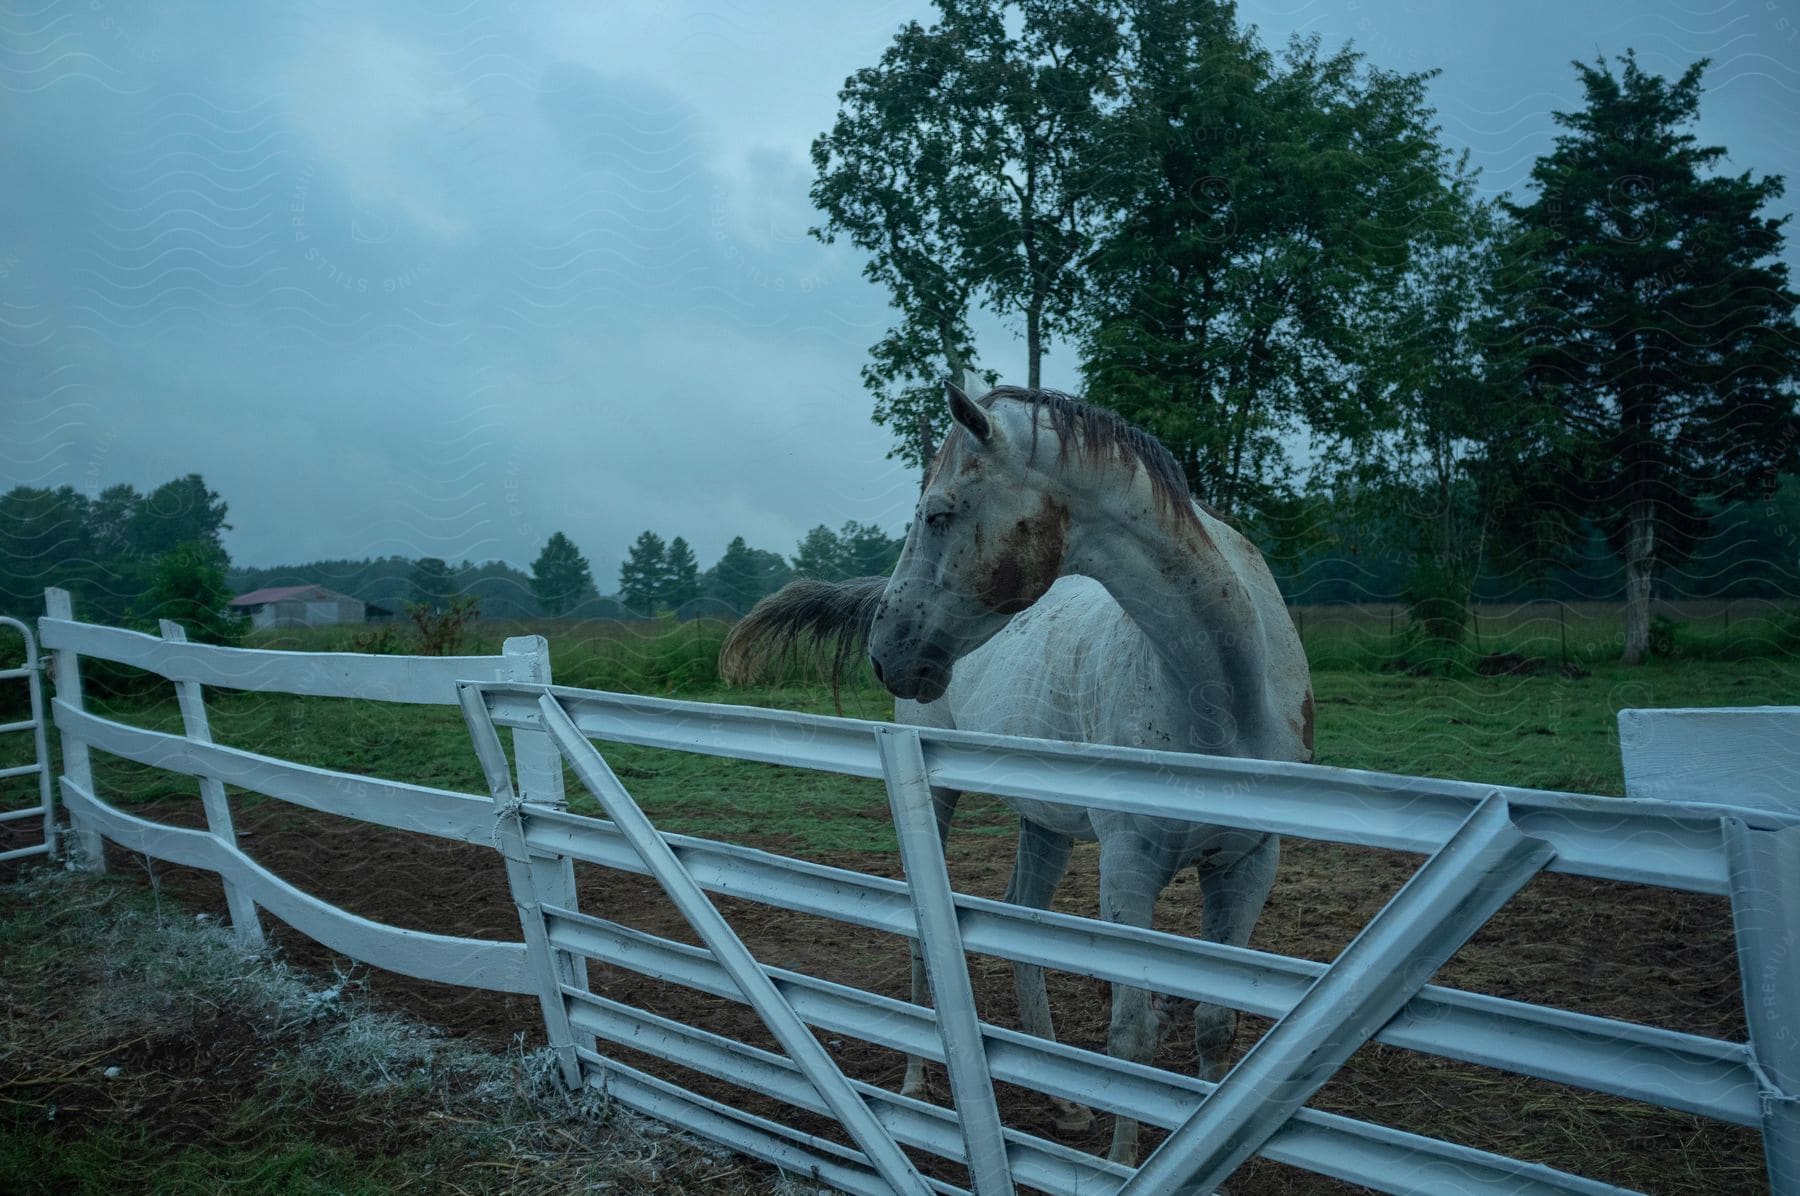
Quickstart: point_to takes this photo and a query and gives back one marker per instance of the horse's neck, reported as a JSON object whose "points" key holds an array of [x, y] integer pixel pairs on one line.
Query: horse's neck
{"points": [[1182, 582]]}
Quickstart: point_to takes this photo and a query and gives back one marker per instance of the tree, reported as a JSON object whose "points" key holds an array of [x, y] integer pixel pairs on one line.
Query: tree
{"points": [[644, 577], [744, 574], [867, 550], [854, 550], [44, 541], [110, 519], [1255, 204], [1448, 465], [1661, 325], [433, 585], [820, 555], [188, 587], [560, 576], [177, 512], [682, 584], [953, 163]]}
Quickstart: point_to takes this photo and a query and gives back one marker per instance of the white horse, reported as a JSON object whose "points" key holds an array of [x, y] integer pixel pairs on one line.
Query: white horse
{"points": [[1058, 581]]}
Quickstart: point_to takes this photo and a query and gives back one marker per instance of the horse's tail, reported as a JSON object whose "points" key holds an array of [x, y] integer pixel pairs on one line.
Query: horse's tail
{"points": [[833, 616]]}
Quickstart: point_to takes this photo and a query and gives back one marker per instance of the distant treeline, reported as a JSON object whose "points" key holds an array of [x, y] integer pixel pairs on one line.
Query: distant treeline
{"points": [[131, 557], [1752, 550]]}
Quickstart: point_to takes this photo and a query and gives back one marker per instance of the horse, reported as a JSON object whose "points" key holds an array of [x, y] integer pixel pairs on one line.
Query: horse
{"points": [[1060, 581]]}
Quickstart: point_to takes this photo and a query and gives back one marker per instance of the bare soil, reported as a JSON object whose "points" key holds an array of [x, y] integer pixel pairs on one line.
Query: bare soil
{"points": [[1595, 946]]}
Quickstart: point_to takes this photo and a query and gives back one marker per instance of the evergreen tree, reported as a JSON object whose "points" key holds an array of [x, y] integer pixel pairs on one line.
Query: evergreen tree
{"points": [[433, 585], [683, 575], [1660, 325], [745, 574], [560, 577], [644, 577]]}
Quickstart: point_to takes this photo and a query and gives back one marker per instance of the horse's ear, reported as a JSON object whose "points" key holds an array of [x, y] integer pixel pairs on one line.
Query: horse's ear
{"points": [[964, 411]]}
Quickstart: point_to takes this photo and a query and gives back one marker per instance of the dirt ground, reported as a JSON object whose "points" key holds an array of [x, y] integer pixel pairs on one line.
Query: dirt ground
{"points": [[1594, 946]]}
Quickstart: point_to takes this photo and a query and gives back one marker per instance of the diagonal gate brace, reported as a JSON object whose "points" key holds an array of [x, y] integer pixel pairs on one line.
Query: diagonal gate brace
{"points": [[798, 1041], [1447, 900]]}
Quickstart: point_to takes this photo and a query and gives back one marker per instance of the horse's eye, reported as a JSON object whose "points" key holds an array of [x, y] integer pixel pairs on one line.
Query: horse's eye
{"points": [[937, 519]]}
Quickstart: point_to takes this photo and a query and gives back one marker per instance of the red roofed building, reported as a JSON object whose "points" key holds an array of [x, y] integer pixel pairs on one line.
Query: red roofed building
{"points": [[300, 606]]}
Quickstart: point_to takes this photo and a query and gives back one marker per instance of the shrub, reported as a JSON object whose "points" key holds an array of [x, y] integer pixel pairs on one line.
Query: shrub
{"points": [[441, 634]]}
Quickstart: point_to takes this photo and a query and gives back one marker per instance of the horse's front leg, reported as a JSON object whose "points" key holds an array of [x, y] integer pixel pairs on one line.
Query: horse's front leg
{"points": [[916, 1083], [1043, 857], [1234, 895], [1132, 875]]}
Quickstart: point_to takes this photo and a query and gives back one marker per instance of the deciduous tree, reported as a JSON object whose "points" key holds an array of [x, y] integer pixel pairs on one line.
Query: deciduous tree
{"points": [[1255, 202], [188, 587], [954, 162], [433, 584]]}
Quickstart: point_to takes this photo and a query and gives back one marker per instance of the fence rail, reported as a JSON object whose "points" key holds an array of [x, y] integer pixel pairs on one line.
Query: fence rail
{"points": [[1480, 842]]}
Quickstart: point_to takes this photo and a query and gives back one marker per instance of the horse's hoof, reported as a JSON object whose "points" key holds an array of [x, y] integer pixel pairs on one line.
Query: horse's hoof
{"points": [[1074, 1119]]}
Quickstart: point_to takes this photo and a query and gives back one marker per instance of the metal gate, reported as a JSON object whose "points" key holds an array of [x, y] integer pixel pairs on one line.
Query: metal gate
{"points": [[1482, 843], [40, 766]]}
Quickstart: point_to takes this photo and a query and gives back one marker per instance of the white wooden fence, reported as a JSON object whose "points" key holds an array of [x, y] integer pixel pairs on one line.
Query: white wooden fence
{"points": [[1482, 842]]}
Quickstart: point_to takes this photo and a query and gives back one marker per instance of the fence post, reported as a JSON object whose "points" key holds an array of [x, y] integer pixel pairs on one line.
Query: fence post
{"points": [[540, 775], [192, 699], [1765, 915], [509, 837], [65, 667]]}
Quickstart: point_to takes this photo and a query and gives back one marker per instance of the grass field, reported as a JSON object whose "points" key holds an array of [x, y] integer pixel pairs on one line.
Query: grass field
{"points": [[1550, 729]]}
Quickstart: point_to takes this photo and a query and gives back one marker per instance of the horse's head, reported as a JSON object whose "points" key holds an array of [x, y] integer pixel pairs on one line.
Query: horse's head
{"points": [[988, 539]]}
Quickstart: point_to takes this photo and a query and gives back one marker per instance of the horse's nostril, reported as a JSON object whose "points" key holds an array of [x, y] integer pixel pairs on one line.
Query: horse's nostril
{"points": [[879, 679]]}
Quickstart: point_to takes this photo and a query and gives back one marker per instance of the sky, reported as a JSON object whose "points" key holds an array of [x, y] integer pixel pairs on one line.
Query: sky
{"points": [[442, 279]]}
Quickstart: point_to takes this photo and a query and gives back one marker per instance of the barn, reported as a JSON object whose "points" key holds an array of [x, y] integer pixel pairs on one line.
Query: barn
{"points": [[300, 606]]}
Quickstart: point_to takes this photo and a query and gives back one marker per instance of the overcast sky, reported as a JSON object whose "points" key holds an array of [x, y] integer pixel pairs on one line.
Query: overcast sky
{"points": [[443, 279]]}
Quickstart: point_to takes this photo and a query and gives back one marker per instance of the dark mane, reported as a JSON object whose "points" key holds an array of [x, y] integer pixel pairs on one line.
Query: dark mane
{"points": [[1096, 433]]}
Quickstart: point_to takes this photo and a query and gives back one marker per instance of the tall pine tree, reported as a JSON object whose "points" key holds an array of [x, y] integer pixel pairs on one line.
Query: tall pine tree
{"points": [[644, 577], [744, 574], [560, 576], [1660, 324], [682, 585]]}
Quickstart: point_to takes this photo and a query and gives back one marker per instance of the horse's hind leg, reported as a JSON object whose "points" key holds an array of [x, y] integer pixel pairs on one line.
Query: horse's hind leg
{"points": [[943, 804], [1043, 857], [1234, 897]]}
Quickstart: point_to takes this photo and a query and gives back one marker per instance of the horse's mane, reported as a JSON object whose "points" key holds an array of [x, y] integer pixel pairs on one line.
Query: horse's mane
{"points": [[1096, 433]]}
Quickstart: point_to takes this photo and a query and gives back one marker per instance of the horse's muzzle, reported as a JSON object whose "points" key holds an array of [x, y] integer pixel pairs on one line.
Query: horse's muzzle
{"points": [[922, 678]]}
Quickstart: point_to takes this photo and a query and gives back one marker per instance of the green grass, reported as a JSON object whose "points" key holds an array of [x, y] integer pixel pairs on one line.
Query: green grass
{"points": [[115, 1158], [1374, 639]]}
